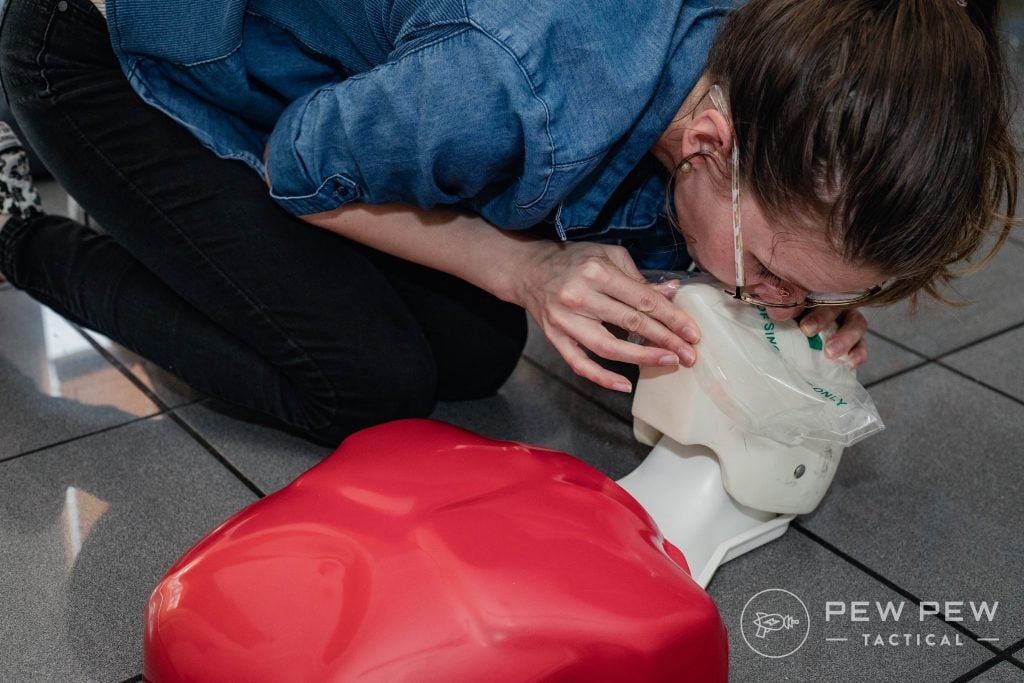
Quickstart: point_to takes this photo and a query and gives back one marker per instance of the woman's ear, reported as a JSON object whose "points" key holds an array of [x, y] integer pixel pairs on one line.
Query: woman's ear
{"points": [[707, 132]]}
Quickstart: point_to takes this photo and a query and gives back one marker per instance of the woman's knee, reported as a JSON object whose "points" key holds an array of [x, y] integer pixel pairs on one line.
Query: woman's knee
{"points": [[483, 367], [380, 390]]}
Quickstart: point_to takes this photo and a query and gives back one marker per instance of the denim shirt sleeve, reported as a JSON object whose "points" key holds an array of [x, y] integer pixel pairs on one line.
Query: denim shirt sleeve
{"points": [[446, 120]]}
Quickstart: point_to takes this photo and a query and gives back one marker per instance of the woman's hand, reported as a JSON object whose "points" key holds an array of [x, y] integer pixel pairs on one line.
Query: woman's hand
{"points": [[848, 339], [571, 288]]}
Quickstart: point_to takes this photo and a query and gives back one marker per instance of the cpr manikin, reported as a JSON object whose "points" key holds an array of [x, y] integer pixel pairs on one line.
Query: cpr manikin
{"points": [[715, 487], [422, 552]]}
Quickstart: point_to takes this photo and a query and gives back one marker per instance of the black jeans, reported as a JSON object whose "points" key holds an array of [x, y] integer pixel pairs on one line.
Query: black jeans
{"points": [[202, 273]]}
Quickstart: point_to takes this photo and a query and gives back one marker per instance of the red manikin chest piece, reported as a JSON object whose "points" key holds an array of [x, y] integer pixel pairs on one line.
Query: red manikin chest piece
{"points": [[421, 552]]}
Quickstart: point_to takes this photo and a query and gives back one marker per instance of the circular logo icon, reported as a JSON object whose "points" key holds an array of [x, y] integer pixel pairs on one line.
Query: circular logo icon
{"points": [[775, 623]]}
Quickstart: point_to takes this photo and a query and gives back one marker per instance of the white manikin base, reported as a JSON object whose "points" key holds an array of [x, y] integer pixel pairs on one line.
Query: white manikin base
{"points": [[681, 488]]}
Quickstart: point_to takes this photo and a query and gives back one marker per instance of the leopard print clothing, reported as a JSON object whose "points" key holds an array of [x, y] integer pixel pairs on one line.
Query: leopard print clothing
{"points": [[18, 196]]}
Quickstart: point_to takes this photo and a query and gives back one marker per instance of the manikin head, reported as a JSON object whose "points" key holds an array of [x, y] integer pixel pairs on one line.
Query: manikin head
{"points": [[753, 399]]}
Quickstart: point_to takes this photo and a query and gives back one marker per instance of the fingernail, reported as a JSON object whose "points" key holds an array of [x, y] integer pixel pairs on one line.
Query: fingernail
{"points": [[834, 348], [691, 334], [808, 328], [670, 359], [687, 357], [624, 387]]}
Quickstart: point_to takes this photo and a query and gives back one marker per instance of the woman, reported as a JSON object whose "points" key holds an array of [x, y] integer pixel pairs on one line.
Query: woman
{"points": [[483, 157]]}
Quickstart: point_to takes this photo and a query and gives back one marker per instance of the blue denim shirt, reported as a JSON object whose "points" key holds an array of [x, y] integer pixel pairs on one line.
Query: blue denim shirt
{"points": [[530, 114]]}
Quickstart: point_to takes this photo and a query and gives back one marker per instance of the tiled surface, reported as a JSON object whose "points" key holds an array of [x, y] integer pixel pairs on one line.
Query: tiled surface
{"points": [[54, 199], [543, 354], [937, 329], [934, 502], [100, 490], [1003, 672], [884, 360], [269, 458], [533, 407], [817, 577], [997, 362], [54, 386], [88, 528]]}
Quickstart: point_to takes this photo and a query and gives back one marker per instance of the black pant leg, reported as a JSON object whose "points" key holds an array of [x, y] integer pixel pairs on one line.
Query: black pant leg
{"points": [[475, 339]]}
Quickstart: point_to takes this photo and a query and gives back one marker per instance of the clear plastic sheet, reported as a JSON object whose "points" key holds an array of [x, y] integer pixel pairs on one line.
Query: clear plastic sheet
{"points": [[767, 376]]}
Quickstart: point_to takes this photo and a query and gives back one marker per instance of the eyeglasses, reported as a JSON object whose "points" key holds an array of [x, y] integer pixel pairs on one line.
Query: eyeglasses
{"points": [[812, 299]]}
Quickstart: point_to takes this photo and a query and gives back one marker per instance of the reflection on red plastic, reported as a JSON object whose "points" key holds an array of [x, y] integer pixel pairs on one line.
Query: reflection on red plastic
{"points": [[422, 552]]}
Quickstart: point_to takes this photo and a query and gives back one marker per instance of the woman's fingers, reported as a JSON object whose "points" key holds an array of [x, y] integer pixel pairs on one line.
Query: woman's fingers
{"points": [[648, 325], [596, 337], [852, 328], [574, 289], [587, 368], [849, 337], [859, 353], [815, 320], [581, 316], [678, 327]]}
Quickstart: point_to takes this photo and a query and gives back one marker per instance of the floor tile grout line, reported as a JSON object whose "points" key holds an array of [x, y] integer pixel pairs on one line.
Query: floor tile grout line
{"points": [[956, 349], [577, 391], [79, 437], [206, 445], [894, 587], [989, 337], [898, 373], [189, 404], [894, 342], [978, 670], [162, 408], [136, 382], [979, 382], [169, 412], [1018, 646], [218, 456]]}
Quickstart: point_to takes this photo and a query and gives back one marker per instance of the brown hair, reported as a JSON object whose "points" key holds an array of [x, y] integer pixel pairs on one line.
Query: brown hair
{"points": [[886, 119]]}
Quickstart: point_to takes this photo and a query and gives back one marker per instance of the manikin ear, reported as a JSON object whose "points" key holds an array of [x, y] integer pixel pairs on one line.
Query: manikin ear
{"points": [[709, 132]]}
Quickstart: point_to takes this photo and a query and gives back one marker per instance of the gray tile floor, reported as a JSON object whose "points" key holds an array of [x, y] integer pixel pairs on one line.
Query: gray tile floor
{"points": [[110, 469]]}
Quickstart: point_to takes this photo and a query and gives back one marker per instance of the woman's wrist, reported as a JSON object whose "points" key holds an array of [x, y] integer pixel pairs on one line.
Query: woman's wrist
{"points": [[511, 267]]}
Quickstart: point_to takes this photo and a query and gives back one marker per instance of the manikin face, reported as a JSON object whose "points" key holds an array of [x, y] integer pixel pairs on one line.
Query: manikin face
{"points": [[796, 258]]}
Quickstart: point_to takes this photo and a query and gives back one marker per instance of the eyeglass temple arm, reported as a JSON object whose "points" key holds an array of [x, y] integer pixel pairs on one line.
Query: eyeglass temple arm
{"points": [[737, 236]]}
